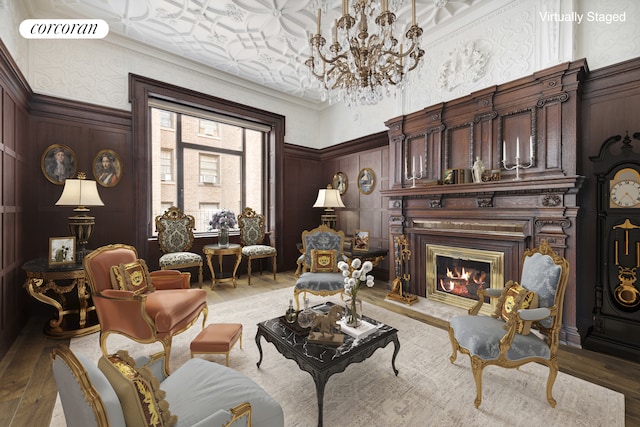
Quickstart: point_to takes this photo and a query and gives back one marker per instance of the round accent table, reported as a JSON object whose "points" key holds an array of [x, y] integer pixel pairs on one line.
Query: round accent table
{"points": [[216, 250], [54, 285]]}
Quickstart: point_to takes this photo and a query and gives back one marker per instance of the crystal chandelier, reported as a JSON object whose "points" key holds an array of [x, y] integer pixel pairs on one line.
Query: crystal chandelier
{"points": [[361, 67]]}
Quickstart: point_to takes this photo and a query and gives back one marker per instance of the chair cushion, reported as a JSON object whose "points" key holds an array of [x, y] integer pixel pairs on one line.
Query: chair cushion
{"points": [[143, 401], [74, 402], [332, 282], [324, 261], [252, 230], [179, 258], [513, 298], [198, 388], [175, 235], [542, 276], [170, 308], [133, 276], [480, 335], [258, 250]]}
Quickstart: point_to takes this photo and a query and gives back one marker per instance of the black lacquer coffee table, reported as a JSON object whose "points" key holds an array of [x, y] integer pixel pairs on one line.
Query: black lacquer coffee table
{"points": [[322, 361]]}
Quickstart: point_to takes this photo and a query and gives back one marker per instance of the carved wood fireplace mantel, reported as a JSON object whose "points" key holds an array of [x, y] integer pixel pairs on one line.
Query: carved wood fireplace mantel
{"points": [[505, 216]]}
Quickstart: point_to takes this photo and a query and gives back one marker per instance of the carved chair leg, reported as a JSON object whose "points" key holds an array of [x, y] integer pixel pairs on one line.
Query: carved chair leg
{"points": [[275, 264], [454, 346], [553, 373], [200, 276], [476, 368], [249, 270]]}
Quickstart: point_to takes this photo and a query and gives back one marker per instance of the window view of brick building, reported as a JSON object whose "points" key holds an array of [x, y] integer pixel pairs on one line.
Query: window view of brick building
{"points": [[203, 165]]}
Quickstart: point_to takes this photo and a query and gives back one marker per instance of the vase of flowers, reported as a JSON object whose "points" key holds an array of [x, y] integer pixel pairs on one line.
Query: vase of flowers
{"points": [[355, 275], [222, 220]]}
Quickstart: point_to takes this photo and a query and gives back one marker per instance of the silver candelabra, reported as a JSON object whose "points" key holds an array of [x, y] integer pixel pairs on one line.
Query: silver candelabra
{"points": [[414, 175], [517, 166]]}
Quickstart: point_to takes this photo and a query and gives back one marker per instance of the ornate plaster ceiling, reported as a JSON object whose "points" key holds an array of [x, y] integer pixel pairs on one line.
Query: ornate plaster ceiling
{"points": [[263, 41]]}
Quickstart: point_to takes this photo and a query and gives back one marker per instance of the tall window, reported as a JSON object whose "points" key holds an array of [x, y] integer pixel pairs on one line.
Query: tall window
{"points": [[205, 163]]}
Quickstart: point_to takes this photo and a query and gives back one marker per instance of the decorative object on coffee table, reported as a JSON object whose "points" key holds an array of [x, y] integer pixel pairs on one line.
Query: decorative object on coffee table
{"points": [[401, 284], [324, 329], [354, 276]]}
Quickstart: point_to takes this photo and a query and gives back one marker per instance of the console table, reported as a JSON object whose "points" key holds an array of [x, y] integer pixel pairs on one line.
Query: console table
{"points": [[215, 249], [375, 255], [54, 286]]}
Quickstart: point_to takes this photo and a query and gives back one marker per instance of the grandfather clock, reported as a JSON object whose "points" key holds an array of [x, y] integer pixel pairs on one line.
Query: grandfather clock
{"points": [[616, 316]]}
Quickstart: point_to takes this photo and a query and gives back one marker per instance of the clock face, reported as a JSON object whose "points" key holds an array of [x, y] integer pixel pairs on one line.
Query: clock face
{"points": [[626, 194]]}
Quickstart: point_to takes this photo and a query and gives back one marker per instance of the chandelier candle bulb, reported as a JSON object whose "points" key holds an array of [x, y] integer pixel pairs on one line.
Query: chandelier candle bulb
{"points": [[319, 21], [345, 7], [504, 152], [517, 147], [413, 168], [420, 165]]}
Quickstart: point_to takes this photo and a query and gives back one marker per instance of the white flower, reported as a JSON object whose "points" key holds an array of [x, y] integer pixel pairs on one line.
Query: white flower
{"points": [[356, 274], [343, 266], [345, 273], [356, 263], [367, 266], [370, 281]]}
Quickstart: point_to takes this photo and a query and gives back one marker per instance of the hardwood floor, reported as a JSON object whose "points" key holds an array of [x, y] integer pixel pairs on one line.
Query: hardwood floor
{"points": [[28, 390]]}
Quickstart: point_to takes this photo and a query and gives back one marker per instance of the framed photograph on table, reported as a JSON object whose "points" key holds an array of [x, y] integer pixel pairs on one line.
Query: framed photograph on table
{"points": [[366, 180], [58, 163], [340, 182], [360, 241], [62, 250], [107, 168]]}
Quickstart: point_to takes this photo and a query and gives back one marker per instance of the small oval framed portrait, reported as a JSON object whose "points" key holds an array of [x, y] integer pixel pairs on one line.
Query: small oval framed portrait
{"points": [[340, 182], [58, 163], [366, 180], [107, 168]]}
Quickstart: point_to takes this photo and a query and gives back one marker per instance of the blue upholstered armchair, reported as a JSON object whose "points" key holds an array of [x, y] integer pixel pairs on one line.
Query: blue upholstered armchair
{"points": [[317, 271], [175, 237], [507, 338], [252, 232]]}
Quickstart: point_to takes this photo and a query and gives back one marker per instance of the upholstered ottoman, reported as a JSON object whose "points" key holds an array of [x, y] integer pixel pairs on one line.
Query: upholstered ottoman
{"points": [[217, 338]]}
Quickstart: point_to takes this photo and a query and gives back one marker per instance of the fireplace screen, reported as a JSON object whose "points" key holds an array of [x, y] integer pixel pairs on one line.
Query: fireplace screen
{"points": [[455, 274]]}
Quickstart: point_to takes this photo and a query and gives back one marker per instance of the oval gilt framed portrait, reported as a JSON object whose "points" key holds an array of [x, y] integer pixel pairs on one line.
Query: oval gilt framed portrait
{"points": [[107, 168], [366, 180], [340, 182], [58, 163]]}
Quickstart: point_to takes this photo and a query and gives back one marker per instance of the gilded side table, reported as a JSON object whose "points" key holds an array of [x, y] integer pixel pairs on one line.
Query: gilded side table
{"points": [[55, 286], [215, 249]]}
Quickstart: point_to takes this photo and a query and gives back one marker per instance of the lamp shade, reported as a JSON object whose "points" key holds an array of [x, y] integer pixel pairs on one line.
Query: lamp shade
{"points": [[80, 193], [328, 198]]}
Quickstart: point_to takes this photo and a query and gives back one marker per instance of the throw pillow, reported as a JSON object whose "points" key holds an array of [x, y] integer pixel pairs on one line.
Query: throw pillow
{"points": [[323, 261], [514, 297], [133, 276], [143, 402]]}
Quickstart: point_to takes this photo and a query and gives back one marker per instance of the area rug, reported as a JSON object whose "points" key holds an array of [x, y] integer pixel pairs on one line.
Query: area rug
{"points": [[428, 391]]}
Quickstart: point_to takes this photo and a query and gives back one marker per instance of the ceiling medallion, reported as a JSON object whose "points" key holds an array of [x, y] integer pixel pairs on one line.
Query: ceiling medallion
{"points": [[360, 68]]}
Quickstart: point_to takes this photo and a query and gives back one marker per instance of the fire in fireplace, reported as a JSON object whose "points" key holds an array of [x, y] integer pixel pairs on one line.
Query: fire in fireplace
{"points": [[462, 277], [455, 274]]}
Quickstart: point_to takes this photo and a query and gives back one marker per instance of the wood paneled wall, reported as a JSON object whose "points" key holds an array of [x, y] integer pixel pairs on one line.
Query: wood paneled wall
{"points": [[14, 178]]}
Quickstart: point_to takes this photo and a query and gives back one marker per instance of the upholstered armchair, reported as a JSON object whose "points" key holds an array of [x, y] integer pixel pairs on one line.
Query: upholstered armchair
{"points": [[317, 272], [252, 232], [145, 307], [526, 325], [175, 237], [120, 391]]}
